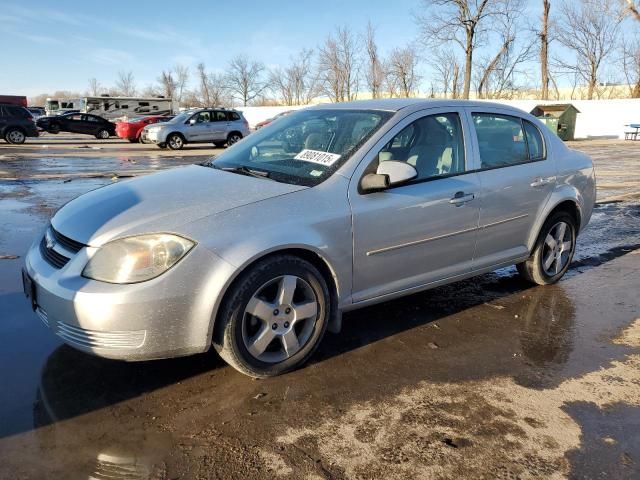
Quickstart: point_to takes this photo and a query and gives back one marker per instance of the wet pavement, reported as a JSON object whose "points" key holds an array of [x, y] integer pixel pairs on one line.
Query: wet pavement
{"points": [[487, 378]]}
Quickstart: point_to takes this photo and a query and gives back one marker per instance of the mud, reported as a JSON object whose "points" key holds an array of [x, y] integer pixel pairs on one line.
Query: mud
{"points": [[487, 378]]}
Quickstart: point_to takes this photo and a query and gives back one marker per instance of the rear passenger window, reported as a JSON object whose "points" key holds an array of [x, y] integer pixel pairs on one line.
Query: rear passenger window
{"points": [[221, 116], [534, 141], [433, 145], [500, 140], [234, 116]]}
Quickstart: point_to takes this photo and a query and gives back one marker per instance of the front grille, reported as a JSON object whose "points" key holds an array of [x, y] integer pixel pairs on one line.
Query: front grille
{"points": [[54, 258], [51, 255], [66, 242]]}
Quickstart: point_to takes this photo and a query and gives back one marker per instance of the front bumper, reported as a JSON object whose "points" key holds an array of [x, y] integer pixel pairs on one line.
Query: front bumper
{"points": [[170, 315], [155, 136]]}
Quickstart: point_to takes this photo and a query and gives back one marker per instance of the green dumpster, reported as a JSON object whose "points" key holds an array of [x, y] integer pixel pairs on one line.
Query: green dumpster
{"points": [[559, 118]]}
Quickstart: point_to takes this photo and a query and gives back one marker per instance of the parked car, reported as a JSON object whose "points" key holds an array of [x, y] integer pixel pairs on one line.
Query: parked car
{"points": [[36, 112], [78, 123], [16, 123], [258, 251], [266, 122], [219, 126], [132, 128]]}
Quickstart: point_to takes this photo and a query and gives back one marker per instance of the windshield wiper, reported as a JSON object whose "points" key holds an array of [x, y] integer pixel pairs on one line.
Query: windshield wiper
{"points": [[244, 170]]}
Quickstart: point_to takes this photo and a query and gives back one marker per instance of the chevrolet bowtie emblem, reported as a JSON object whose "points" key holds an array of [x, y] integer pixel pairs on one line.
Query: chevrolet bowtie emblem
{"points": [[49, 241]]}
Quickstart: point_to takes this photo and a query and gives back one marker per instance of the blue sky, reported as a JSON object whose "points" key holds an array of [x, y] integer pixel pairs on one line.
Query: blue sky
{"points": [[49, 46], [60, 45]]}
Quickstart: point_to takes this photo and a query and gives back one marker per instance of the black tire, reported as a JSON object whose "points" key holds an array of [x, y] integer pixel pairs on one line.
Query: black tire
{"points": [[15, 136], [55, 129], [175, 141], [218, 144], [102, 134], [232, 318], [161, 145], [533, 269], [134, 140], [233, 137]]}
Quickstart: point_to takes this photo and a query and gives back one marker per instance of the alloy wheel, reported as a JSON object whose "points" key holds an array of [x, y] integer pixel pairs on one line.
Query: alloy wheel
{"points": [[280, 318], [235, 138], [16, 136], [558, 247]]}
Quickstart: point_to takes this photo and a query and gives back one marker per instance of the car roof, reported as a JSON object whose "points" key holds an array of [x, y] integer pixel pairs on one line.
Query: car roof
{"points": [[397, 104]]}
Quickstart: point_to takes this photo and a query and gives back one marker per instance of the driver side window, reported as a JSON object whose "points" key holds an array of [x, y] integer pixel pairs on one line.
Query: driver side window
{"points": [[433, 145]]}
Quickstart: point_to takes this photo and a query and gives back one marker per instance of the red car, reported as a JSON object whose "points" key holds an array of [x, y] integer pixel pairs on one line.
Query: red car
{"points": [[266, 122], [132, 128]]}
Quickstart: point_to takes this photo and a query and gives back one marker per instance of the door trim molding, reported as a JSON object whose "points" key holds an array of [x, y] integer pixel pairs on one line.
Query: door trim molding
{"points": [[418, 242], [506, 220]]}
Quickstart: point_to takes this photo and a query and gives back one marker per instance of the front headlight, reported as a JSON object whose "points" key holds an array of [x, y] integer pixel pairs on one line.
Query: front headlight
{"points": [[136, 259]]}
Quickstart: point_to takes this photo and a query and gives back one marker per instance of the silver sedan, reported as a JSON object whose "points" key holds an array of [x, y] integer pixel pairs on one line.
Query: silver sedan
{"points": [[259, 251]]}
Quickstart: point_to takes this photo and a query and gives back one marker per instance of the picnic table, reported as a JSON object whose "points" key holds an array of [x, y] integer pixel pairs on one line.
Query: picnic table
{"points": [[634, 134]]}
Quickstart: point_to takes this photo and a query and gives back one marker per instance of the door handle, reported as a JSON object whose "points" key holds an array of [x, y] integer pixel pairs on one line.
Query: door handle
{"points": [[460, 198], [542, 181]]}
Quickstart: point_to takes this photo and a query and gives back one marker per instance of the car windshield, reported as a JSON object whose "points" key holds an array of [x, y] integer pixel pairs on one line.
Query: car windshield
{"points": [[303, 148], [181, 117]]}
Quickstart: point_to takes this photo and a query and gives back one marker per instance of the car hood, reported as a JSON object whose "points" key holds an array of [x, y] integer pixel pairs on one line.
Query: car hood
{"points": [[160, 202]]}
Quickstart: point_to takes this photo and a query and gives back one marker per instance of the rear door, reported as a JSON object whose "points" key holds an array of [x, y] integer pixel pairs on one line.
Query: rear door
{"points": [[517, 178], [4, 119], [220, 128], [74, 123]]}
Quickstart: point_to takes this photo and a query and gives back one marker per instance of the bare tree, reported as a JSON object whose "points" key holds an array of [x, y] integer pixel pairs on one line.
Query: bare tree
{"points": [[375, 69], [295, 84], [446, 70], [125, 84], [498, 75], [245, 79], [181, 76], [402, 66], [590, 29], [633, 9], [544, 50], [461, 22], [167, 84], [631, 65], [94, 87], [211, 91], [338, 66]]}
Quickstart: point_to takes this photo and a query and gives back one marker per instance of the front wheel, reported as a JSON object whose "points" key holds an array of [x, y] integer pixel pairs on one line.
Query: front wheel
{"points": [[15, 136], [102, 134], [274, 317], [233, 138], [175, 141], [133, 140], [553, 251]]}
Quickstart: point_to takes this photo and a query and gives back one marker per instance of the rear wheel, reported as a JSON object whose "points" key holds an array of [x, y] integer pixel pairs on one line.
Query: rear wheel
{"points": [[175, 141], [15, 136], [553, 251], [234, 137], [274, 317], [133, 140], [102, 134]]}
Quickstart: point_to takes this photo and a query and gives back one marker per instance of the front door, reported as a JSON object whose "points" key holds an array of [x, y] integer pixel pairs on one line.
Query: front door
{"points": [[517, 179], [199, 127], [423, 231]]}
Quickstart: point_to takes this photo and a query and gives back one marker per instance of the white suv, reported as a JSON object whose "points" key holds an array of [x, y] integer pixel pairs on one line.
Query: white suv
{"points": [[219, 126]]}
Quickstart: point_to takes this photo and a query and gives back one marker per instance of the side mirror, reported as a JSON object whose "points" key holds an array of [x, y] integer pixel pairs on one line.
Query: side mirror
{"points": [[398, 172], [372, 182], [192, 121]]}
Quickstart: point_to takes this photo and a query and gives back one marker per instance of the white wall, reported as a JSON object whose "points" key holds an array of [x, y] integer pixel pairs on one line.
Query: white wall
{"points": [[597, 118]]}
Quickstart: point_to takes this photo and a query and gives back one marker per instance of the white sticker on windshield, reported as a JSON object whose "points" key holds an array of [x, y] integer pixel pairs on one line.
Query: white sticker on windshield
{"points": [[315, 156]]}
